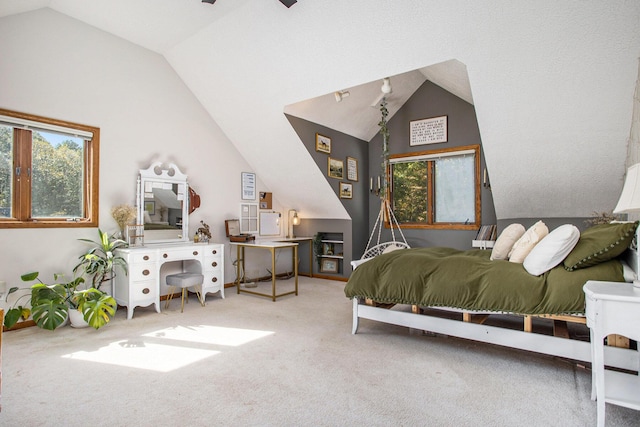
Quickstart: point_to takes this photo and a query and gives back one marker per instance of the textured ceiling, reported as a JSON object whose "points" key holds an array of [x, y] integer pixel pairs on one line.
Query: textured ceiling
{"points": [[160, 25], [552, 81]]}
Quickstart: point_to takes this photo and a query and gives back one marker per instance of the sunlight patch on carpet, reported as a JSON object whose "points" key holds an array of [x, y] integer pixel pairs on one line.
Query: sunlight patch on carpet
{"points": [[143, 355], [210, 335]]}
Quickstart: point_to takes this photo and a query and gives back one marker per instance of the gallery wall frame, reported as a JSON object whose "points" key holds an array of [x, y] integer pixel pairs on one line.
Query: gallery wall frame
{"points": [[352, 168], [335, 168], [323, 143], [346, 190]]}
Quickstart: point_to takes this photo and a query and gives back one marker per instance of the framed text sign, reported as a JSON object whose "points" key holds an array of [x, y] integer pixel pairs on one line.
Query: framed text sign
{"points": [[248, 186], [428, 131]]}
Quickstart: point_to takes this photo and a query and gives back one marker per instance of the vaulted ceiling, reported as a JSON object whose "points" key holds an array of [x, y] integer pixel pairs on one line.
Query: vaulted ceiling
{"points": [[552, 82]]}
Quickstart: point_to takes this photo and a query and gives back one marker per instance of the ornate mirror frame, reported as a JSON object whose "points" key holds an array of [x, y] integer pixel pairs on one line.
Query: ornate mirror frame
{"points": [[163, 190]]}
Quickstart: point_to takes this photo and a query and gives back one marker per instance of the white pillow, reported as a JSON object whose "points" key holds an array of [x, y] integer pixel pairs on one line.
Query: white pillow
{"points": [[505, 241], [147, 217], [529, 239], [392, 248], [552, 250]]}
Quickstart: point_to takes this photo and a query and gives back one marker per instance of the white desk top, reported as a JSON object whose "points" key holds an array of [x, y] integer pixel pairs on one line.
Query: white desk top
{"points": [[265, 244]]}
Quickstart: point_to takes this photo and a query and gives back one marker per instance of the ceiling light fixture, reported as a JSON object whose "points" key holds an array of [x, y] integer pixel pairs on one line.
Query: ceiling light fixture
{"points": [[288, 3], [340, 95], [209, 1], [386, 85]]}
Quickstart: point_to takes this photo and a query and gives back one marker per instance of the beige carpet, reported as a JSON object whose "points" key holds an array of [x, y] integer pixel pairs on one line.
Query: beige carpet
{"points": [[247, 361]]}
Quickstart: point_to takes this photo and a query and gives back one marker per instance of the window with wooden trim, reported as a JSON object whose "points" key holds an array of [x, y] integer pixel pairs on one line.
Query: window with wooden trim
{"points": [[48, 172], [436, 188]]}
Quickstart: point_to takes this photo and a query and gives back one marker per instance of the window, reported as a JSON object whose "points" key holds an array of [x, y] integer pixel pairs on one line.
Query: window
{"points": [[436, 189], [48, 172]]}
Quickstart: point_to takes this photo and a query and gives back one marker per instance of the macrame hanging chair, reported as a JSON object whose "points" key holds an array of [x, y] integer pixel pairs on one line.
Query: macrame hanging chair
{"points": [[374, 247]]}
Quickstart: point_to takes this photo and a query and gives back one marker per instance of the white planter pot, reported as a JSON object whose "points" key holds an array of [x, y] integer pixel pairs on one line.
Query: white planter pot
{"points": [[77, 319]]}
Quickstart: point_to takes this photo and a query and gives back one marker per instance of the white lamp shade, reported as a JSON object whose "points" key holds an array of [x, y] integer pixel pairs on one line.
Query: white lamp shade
{"points": [[630, 198]]}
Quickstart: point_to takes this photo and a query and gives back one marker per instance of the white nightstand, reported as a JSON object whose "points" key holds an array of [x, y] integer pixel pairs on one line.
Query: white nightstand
{"points": [[612, 308]]}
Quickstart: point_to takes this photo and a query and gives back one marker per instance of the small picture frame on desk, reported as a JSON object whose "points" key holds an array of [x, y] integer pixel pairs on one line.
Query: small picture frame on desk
{"points": [[329, 265]]}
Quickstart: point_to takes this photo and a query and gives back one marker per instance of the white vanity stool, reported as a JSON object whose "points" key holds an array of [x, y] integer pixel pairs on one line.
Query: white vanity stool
{"points": [[612, 308], [184, 281]]}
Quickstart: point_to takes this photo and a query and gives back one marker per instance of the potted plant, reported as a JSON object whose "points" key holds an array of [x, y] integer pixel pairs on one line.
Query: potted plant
{"points": [[50, 304], [99, 263]]}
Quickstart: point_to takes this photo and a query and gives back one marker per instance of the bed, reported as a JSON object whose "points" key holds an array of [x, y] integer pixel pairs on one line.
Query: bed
{"points": [[400, 286]]}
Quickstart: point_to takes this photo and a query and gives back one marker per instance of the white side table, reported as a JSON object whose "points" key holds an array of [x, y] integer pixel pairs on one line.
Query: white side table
{"points": [[612, 308]]}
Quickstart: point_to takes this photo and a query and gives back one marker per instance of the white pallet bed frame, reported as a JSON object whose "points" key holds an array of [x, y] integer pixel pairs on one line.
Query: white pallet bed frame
{"points": [[519, 339]]}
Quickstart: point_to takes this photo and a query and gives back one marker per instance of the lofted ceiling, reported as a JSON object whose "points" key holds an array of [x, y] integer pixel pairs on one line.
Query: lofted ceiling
{"points": [[160, 25], [541, 75]]}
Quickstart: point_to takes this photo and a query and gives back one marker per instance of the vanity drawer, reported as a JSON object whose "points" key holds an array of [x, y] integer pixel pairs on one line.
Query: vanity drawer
{"points": [[212, 263], [144, 291], [143, 272], [180, 254], [214, 251], [140, 257]]}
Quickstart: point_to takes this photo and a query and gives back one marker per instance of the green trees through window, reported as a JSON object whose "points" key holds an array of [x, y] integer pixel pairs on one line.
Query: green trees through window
{"points": [[47, 177], [436, 189]]}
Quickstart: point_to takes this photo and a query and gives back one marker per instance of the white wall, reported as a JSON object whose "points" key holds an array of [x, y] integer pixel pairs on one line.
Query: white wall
{"points": [[57, 67]]}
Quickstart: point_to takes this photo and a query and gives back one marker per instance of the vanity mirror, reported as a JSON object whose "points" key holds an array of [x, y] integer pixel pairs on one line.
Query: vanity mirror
{"points": [[163, 204]]}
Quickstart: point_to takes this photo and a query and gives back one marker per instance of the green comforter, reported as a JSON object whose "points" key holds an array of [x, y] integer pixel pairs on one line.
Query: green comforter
{"points": [[469, 280]]}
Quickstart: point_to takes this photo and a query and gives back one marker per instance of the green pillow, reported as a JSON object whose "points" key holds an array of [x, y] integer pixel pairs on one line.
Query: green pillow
{"points": [[600, 243]]}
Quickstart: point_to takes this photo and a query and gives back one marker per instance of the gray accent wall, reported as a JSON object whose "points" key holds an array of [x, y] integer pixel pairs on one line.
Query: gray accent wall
{"points": [[342, 146], [429, 101]]}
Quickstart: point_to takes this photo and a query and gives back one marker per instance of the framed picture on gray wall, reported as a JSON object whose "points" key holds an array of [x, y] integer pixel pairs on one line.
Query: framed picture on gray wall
{"points": [[323, 143], [336, 168], [428, 131], [352, 168], [346, 190]]}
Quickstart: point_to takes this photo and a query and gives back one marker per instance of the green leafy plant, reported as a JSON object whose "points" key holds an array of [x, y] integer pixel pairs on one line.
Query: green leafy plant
{"points": [[96, 306], [49, 303], [317, 247], [100, 262]]}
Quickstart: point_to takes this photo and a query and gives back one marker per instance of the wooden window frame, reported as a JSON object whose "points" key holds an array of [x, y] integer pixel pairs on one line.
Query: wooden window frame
{"points": [[22, 152], [431, 224]]}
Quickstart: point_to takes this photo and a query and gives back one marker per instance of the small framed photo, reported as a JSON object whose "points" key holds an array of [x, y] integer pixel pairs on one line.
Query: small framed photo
{"points": [[323, 143], [346, 190], [352, 168], [336, 168], [329, 265], [150, 207]]}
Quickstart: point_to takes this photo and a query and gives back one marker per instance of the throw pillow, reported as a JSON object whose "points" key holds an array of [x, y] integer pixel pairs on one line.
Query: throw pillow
{"points": [[506, 240], [600, 243], [529, 239], [552, 249]]}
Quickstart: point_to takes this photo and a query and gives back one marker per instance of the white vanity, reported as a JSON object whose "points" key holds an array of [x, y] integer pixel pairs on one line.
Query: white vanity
{"points": [[164, 205], [141, 287]]}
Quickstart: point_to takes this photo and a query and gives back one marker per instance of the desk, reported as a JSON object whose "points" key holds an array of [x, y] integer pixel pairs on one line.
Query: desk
{"points": [[270, 246], [308, 240], [141, 286], [612, 308]]}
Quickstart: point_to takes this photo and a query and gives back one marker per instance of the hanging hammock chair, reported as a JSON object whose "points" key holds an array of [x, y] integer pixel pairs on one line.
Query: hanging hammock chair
{"points": [[380, 248], [386, 213]]}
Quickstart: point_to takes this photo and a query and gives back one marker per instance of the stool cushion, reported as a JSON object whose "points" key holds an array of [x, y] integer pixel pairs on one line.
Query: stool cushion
{"points": [[185, 280]]}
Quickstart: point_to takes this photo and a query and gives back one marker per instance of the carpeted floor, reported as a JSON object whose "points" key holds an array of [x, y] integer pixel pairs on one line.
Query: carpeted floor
{"points": [[248, 361]]}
